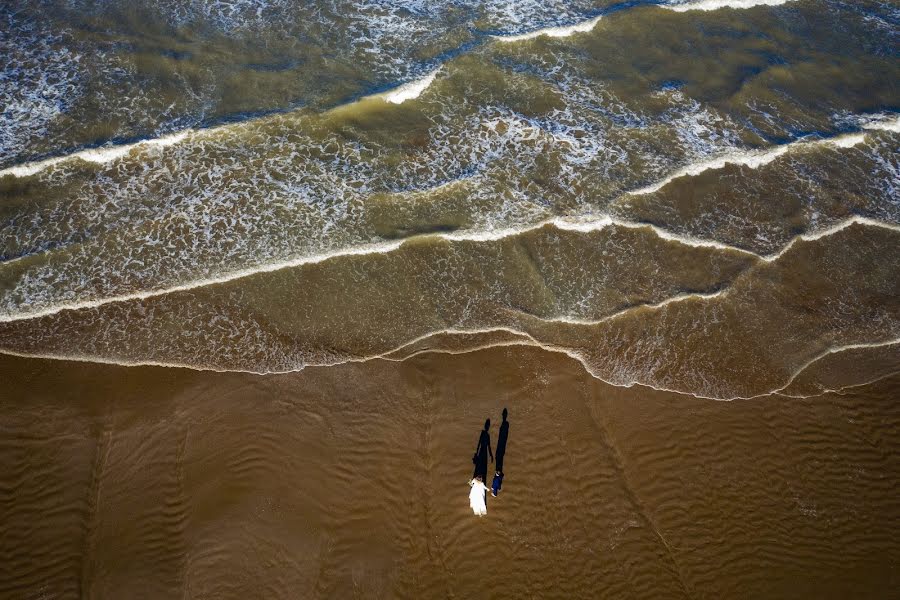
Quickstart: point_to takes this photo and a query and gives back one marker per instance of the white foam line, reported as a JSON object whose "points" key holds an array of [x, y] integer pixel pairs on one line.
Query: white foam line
{"points": [[629, 309], [432, 334], [410, 90], [82, 358], [751, 158], [463, 350], [701, 243], [717, 4], [96, 155], [884, 124], [223, 278], [106, 154], [837, 227], [842, 389], [686, 240], [555, 32], [475, 236], [587, 225], [829, 352], [453, 331], [362, 359], [529, 341], [575, 356], [839, 390]]}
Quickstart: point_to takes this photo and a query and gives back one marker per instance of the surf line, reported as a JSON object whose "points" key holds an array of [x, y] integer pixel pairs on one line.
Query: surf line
{"points": [[82, 358], [585, 26], [386, 355], [584, 224], [105, 154], [410, 90], [403, 92], [528, 340], [840, 389], [525, 340], [755, 159], [707, 5], [828, 352], [554, 32], [97, 155], [579, 224], [628, 309]]}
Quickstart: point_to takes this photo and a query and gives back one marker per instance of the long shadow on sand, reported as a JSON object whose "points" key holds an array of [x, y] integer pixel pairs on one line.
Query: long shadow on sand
{"points": [[501, 441], [482, 450]]}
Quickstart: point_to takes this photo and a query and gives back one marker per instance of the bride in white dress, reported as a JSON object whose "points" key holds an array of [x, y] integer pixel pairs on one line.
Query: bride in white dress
{"points": [[477, 495]]}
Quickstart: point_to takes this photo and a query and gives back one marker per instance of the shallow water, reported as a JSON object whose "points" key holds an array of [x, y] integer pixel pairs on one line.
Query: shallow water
{"points": [[691, 200]]}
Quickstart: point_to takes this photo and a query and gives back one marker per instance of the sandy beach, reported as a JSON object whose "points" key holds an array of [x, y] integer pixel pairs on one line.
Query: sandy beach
{"points": [[350, 482]]}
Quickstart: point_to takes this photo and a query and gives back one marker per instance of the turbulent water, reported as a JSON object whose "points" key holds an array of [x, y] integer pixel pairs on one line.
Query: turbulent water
{"points": [[648, 187], [696, 196]]}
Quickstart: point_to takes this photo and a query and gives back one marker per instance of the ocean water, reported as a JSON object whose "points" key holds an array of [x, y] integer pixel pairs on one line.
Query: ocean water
{"points": [[551, 168], [699, 197]]}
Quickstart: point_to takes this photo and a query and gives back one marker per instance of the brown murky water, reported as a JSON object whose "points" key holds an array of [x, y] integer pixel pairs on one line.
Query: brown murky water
{"points": [[266, 266]]}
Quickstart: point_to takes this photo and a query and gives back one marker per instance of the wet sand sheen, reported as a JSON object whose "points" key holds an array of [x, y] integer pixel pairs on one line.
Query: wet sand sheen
{"points": [[350, 481]]}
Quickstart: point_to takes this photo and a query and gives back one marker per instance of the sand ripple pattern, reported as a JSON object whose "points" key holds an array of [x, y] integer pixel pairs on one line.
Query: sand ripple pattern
{"points": [[651, 227], [161, 481]]}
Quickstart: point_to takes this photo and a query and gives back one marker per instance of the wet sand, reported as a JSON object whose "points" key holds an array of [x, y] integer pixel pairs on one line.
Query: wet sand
{"points": [[350, 482]]}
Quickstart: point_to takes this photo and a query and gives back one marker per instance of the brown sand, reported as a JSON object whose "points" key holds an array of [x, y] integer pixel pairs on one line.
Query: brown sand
{"points": [[350, 482]]}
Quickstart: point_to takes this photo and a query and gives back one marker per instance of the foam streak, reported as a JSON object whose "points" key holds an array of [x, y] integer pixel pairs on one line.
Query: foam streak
{"points": [[106, 154], [529, 341], [754, 158], [587, 224], [636, 307], [717, 4], [411, 90], [884, 123], [829, 352], [555, 32], [96, 155], [223, 278], [808, 237]]}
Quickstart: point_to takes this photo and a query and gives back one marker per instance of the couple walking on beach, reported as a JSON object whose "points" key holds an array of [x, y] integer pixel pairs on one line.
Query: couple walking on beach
{"points": [[478, 493]]}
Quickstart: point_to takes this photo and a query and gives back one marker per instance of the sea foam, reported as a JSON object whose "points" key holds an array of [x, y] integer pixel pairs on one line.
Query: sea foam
{"points": [[410, 90], [884, 123], [556, 32], [106, 154], [583, 224], [717, 4], [751, 158], [96, 155]]}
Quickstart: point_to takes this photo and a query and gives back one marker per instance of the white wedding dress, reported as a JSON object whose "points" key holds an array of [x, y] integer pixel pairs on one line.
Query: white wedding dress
{"points": [[476, 497]]}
